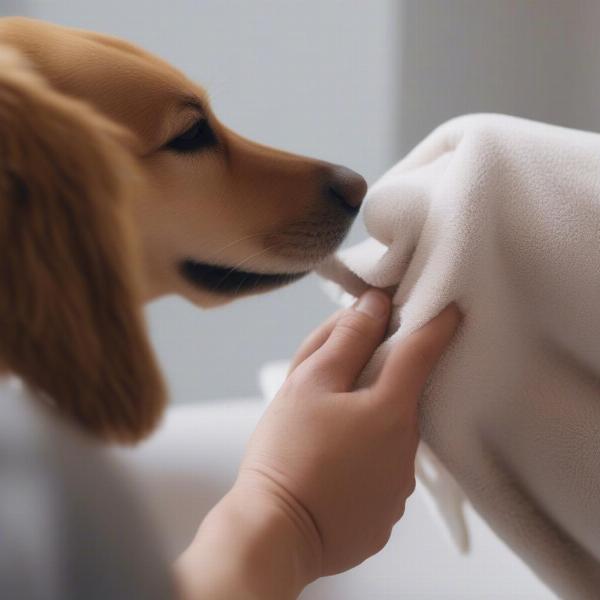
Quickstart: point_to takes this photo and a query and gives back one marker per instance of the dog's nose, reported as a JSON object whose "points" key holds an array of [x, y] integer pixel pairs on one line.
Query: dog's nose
{"points": [[346, 188]]}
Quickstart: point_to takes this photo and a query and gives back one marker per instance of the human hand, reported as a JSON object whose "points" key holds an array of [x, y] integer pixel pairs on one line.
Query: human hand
{"points": [[328, 469], [337, 462]]}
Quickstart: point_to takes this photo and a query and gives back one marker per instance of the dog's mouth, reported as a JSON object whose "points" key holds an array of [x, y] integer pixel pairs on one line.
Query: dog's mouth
{"points": [[232, 281], [295, 249]]}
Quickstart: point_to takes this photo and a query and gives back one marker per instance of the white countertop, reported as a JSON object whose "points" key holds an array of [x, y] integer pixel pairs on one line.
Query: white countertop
{"points": [[192, 460]]}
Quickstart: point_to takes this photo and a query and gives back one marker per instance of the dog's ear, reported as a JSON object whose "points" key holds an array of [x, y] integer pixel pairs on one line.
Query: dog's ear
{"points": [[70, 310]]}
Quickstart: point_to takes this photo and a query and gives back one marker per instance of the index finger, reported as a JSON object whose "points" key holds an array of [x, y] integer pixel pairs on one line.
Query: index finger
{"points": [[412, 360]]}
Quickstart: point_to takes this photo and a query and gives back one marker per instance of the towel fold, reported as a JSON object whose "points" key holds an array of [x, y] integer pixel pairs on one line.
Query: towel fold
{"points": [[502, 215]]}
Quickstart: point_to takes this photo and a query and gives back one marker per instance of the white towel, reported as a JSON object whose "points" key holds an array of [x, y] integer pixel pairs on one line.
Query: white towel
{"points": [[502, 215]]}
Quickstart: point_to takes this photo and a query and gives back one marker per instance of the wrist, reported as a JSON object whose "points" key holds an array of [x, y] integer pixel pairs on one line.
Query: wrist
{"points": [[251, 545]]}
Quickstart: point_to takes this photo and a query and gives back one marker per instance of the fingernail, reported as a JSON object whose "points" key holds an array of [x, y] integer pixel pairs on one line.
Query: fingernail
{"points": [[374, 304]]}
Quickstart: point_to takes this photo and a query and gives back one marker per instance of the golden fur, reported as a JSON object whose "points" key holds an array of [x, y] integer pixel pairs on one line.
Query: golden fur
{"points": [[70, 317], [90, 162]]}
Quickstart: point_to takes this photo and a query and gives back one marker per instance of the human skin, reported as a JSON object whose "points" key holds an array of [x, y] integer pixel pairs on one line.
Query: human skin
{"points": [[329, 467]]}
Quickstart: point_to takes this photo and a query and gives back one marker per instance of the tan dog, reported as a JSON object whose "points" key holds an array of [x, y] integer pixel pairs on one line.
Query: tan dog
{"points": [[218, 214], [95, 135]]}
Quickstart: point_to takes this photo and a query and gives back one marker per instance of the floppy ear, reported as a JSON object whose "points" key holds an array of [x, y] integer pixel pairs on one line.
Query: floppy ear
{"points": [[70, 310]]}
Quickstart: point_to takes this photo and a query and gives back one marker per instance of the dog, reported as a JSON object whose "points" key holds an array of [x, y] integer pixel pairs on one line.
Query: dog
{"points": [[118, 185]]}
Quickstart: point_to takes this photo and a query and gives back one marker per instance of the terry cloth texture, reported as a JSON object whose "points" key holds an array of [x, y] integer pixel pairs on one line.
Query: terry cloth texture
{"points": [[502, 215]]}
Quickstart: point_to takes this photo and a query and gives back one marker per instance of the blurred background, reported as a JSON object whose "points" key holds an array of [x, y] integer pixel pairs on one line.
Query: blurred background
{"points": [[349, 81]]}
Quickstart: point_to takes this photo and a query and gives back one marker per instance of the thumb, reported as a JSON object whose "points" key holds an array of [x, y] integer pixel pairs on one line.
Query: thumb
{"points": [[356, 334], [411, 361]]}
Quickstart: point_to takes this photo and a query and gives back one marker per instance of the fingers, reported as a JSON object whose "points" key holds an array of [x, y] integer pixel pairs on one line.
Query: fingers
{"points": [[315, 340], [411, 361], [355, 335]]}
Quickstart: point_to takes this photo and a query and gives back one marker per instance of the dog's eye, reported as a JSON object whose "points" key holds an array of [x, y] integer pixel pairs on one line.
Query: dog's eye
{"points": [[198, 137]]}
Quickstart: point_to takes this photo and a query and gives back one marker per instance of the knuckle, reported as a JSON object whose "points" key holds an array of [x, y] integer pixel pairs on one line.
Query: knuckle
{"points": [[296, 381], [316, 374], [354, 324]]}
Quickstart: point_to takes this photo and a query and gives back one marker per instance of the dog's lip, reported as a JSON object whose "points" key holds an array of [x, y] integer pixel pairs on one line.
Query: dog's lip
{"points": [[229, 280]]}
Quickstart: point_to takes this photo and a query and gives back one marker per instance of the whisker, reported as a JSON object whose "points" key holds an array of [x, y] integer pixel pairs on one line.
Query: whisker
{"points": [[241, 283], [228, 245], [242, 262], [237, 241]]}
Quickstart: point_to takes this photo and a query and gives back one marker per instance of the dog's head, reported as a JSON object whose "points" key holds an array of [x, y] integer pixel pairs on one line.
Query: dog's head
{"points": [[118, 184], [219, 216]]}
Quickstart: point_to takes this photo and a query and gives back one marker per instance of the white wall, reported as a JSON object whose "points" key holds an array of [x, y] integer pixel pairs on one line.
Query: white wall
{"points": [[532, 58], [311, 76]]}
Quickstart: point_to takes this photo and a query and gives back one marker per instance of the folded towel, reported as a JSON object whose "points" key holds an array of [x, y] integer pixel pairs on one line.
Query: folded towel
{"points": [[502, 215]]}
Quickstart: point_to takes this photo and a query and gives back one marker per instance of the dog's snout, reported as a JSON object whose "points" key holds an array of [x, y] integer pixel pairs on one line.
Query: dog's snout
{"points": [[346, 187]]}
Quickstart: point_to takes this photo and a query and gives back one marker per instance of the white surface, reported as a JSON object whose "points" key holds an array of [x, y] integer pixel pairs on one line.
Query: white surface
{"points": [[192, 460]]}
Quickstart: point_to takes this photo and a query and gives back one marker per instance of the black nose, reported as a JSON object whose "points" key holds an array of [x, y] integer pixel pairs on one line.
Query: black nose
{"points": [[346, 187]]}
